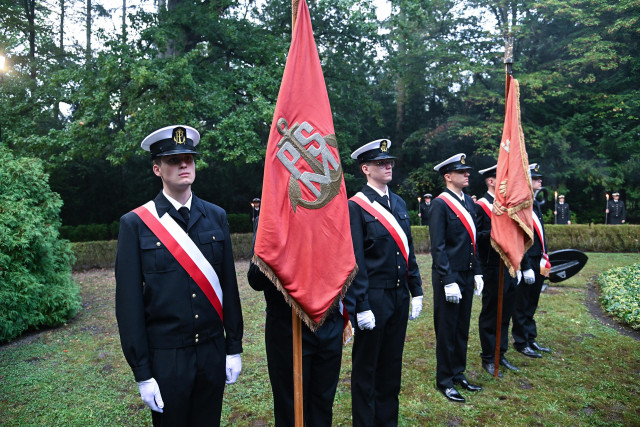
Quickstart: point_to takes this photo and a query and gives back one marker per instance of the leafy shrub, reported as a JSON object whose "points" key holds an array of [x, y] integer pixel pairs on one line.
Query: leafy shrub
{"points": [[621, 293], [36, 288]]}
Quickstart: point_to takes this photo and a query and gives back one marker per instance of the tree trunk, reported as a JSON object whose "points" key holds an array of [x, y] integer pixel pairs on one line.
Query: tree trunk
{"points": [[30, 11], [124, 22], [88, 25]]}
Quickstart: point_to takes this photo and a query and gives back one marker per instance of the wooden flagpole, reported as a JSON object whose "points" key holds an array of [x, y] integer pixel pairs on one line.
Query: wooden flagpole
{"points": [[296, 325], [508, 63]]}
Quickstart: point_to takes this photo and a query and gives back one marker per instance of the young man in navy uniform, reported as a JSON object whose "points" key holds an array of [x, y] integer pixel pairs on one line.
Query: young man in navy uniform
{"points": [[535, 260], [181, 339], [378, 299], [456, 273], [490, 261]]}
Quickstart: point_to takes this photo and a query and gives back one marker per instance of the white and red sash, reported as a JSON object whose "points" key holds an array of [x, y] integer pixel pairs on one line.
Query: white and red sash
{"points": [[462, 213], [486, 206], [545, 264], [185, 251], [387, 220]]}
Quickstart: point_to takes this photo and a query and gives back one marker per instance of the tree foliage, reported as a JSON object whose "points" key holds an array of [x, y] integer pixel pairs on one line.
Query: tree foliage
{"points": [[430, 77]]}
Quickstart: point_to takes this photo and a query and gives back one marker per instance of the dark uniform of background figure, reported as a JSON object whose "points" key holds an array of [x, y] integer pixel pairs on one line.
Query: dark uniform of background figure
{"points": [[384, 285], [563, 215], [321, 357], [454, 261], [168, 328], [524, 330], [255, 210], [617, 213], [490, 261], [425, 206]]}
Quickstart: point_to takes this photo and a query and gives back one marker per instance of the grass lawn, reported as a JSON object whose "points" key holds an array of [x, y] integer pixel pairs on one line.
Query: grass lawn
{"points": [[76, 375]]}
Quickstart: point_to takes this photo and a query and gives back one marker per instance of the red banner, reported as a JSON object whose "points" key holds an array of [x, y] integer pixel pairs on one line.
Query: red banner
{"points": [[512, 222], [303, 243]]}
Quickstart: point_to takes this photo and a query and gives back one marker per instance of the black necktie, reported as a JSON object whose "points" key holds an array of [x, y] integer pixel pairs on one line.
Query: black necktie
{"points": [[184, 211], [385, 198]]}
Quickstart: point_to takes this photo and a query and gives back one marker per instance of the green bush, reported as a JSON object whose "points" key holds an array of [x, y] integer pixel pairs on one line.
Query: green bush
{"points": [[621, 293], [36, 288]]}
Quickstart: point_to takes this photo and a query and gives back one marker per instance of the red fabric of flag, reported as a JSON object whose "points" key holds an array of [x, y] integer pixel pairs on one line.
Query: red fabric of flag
{"points": [[512, 221], [303, 242]]}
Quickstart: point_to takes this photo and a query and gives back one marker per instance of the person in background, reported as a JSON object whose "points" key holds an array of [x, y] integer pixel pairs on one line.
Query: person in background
{"points": [[616, 211], [255, 210], [423, 209], [562, 212]]}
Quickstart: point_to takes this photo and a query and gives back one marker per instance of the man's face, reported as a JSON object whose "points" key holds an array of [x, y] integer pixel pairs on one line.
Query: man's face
{"points": [[379, 171], [427, 200], [177, 172], [616, 197], [536, 184], [459, 179]]}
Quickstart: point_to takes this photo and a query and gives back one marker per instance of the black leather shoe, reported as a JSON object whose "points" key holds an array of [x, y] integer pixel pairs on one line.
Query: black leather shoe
{"points": [[529, 352], [491, 369], [452, 394], [504, 362], [467, 385], [537, 347]]}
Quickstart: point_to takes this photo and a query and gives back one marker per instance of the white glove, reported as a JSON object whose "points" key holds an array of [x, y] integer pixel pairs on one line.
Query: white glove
{"points": [[529, 276], [416, 307], [150, 394], [234, 366], [366, 320], [518, 276], [452, 293], [479, 284]]}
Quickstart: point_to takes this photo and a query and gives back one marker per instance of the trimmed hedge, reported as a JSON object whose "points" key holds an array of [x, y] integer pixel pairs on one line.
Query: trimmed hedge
{"points": [[621, 294], [238, 223], [588, 238], [593, 238], [102, 254]]}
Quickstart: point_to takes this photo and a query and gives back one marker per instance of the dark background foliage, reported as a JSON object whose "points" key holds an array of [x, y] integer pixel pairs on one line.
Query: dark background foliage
{"points": [[430, 77]]}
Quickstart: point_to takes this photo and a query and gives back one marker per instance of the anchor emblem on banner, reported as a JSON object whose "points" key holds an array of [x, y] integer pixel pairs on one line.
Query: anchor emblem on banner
{"points": [[325, 180]]}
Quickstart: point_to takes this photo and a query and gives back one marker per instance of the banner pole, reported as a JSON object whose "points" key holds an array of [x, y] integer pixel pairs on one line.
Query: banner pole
{"points": [[298, 398], [296, 327]]}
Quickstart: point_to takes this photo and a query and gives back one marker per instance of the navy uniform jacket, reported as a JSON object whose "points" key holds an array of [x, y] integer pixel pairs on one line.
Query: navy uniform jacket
{"points": [[486, 254], [617, 212], [424, 212], [536, 250], [564, 213], [158, 305], [451, 246], [381, 265]]}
